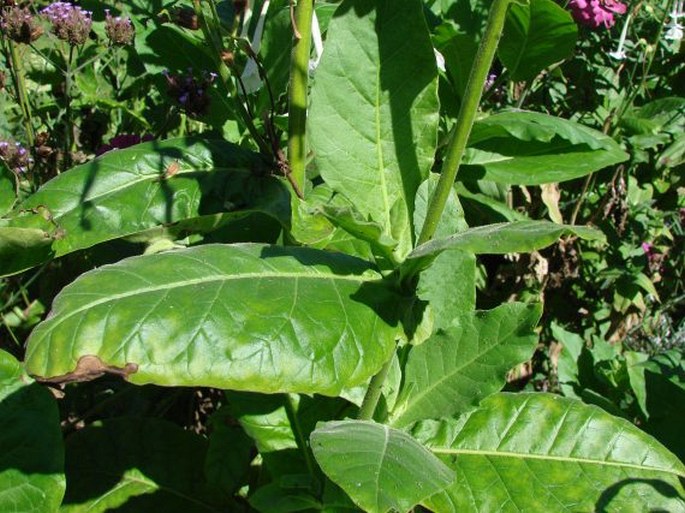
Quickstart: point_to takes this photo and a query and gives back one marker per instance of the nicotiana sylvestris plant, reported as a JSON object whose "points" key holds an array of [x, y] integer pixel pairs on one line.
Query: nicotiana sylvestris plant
{"points": [[353, 357]]}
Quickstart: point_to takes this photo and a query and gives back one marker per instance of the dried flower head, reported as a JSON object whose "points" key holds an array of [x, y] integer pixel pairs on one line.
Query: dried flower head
{"points": [[15, 156], [192, 94], [595, 13], [69, 22], [19, 25], [119, 30], [2, 81], [185, 17]]}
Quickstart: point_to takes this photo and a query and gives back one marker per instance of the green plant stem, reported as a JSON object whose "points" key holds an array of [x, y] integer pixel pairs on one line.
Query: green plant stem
{"points": [[373, 393], [300, 438], [467, 115], [22, 96], [68, 128], [299, 75]]}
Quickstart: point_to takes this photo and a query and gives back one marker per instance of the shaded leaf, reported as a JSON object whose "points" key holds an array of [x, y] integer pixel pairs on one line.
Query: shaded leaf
{"points": [[245, 317], [536, 36], [380, 468], [31, 452], [540, 452], [529, 148], [131, 465], [378, 156], [184, 185], [458, 366], [8, 188]]}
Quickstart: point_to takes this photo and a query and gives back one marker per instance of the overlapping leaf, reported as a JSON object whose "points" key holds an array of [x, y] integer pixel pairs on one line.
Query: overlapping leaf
{"points": [[374, 110], [31, 453], [181, 184], [246, 317], [530, 148], [380, 468], [458, 366], [540, 452]]}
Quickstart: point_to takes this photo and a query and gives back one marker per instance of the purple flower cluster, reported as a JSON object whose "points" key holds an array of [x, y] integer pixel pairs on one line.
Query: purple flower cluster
{"points": [[19, 25], [191, 93], [69, 22], [119, 30], [15, 156], [596, 13]]}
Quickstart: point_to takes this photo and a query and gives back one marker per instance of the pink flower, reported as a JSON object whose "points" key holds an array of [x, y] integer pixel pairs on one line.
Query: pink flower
{"points": [[595, 13]]}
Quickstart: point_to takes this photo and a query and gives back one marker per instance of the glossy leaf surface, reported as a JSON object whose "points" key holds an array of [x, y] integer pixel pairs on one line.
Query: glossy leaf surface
{"points": [[380, 468], [373, 126], [184, 185], [541, 452], [131, 465], [529, 148], [246, 317], [458, 366], [31, 453], [536, 36]]}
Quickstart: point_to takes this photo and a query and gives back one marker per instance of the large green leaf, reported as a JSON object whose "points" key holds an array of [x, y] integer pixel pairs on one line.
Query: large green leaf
{"points": [[457, 367], [134, 465], [541, 452], [31, 453], [500, 238], [373, 124], [529, 148], [183, 185], [245, 317], [8, 188], [536, 36], [380, 468]]}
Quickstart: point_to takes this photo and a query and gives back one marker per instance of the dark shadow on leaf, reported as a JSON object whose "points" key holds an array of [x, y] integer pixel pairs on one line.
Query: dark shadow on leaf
{"points": [[603, 504]]}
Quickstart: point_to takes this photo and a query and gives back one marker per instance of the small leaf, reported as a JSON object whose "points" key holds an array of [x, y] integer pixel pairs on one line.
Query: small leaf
{"points": [[380, 468], [501, 238], [245, 317], [8, 188], [373, 125], [31, 453], [529, 148], [536, 36], [458, 366], [540, 452]]}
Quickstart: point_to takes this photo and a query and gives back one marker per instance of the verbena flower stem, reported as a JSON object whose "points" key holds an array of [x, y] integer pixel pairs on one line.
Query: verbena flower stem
{"points": [[299, 75], [20, 88], [467, 115], [68, 122]]}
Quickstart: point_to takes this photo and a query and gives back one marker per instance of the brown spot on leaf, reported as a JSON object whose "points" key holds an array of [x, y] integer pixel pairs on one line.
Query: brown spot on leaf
{"points": [[90, 367]]}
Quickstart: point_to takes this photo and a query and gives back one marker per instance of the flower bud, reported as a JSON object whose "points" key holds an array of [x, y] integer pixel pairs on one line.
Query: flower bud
{"points": [[19, 25], [119, 30]]}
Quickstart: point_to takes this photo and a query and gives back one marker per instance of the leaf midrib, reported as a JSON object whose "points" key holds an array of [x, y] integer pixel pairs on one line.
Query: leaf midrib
{"points": [[547, 457]]}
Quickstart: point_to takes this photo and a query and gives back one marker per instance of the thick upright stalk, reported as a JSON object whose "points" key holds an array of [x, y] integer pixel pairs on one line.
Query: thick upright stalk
{"points": [[467, 115], [299, 75], [373, 393], [20, 89]]}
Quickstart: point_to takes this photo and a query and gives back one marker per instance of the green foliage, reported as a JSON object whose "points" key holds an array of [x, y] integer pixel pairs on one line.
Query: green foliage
{"points": [[226, 335]]}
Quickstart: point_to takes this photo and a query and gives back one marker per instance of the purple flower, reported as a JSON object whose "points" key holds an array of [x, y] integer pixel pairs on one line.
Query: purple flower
{"points": [[595, 13], [15, 156], [119, 30], [19, 25], [190, 92], [69, 22]]}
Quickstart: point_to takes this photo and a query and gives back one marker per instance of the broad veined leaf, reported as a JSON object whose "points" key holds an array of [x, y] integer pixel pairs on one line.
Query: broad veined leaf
{"points": [[541, 452], [374, 110], [184, 185], [536, 36], [133, 464], [529, 148], [458, 366], [31, 453], [23, 248], [500, 238], [380, 468], [246, 317]]}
